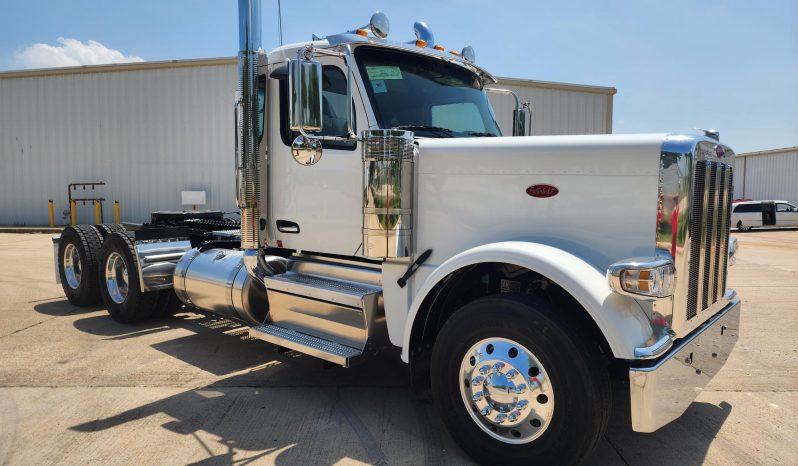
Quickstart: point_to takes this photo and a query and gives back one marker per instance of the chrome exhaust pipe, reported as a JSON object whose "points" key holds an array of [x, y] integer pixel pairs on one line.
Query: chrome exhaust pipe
{"points": [[247, 163]]}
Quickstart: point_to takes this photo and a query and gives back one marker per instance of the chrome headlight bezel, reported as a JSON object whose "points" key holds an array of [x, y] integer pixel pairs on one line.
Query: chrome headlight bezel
{"points": [[657, 273]]}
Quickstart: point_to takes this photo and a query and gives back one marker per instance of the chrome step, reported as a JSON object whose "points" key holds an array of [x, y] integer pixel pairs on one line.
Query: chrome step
{"points": [[321, 288], [323, 349]]}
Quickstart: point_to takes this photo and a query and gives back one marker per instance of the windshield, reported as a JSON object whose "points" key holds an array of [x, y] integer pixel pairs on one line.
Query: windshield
{"points": [[428, 96]]}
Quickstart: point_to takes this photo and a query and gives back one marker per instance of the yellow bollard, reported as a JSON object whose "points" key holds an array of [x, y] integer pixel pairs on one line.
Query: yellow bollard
{"points": [[116, 211], [73, 212], [98, 213], [52, 212]]}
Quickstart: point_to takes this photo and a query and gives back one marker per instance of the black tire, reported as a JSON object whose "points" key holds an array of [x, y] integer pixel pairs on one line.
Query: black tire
{"points": [[106, 229], [134, 306], [741, 227], [578, 378], [81, 289], [168, 303]]}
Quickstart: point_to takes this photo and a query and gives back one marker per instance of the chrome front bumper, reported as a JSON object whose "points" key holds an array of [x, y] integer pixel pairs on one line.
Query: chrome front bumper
{"points": [[663, 388]]}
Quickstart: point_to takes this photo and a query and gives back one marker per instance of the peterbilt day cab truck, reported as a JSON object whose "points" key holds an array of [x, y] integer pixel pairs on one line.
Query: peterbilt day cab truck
{"points": [[381, 206]]}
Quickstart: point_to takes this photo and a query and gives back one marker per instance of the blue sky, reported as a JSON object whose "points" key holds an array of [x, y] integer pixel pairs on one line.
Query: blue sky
{"points": [[677, 64]]}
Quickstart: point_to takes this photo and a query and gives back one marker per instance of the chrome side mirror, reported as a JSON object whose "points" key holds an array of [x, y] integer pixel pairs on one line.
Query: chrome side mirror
{"points": [[521, 114], [304, 81], [521, 120], [306, 150], [305, 108]]}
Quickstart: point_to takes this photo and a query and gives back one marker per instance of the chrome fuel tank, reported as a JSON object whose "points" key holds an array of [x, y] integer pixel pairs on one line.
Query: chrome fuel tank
{"points": [[215, 280]]}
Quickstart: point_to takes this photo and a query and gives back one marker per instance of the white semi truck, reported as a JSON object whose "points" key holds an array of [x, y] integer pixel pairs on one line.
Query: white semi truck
{"points": [[517, 274]]}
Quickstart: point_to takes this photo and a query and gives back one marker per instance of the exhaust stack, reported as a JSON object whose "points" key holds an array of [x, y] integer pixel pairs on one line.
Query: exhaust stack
{"points": [[247, 163]]}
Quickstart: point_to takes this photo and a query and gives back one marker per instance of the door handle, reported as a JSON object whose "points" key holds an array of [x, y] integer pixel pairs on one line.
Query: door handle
{"points": [[285, 226]]}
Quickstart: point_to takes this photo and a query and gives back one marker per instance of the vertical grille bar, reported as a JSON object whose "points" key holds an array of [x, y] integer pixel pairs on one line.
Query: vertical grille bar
{"points": [[706, 233], [721, 235], [696, 223], [729, 193]]}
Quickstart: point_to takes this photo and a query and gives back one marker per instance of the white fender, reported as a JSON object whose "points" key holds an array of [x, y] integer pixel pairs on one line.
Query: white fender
{"points": [[620, 318]]}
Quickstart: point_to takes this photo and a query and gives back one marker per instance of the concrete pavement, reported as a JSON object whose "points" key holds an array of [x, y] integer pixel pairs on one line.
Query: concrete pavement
{"points": [[78, 388]]}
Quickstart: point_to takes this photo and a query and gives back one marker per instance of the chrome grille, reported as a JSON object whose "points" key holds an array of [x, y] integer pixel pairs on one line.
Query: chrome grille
{"points": [[709, 233]]}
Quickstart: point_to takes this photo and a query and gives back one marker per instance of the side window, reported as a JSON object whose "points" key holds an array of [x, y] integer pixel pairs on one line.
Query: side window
{"points": [[261, 105], [457, 117], [333, 109], [783, 208], [748, 208]]}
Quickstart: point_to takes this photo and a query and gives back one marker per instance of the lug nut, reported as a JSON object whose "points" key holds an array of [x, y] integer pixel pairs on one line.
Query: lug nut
{"points": [[485, 411], [511, 373], [484, 369], [500, 418], [522, 405], [513, 416], [477, 396], [477, 380], [520, 388], [498, 367]]}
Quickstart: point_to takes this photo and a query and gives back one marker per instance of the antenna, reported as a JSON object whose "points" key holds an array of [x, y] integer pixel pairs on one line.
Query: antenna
{"points": [[280, 21]]}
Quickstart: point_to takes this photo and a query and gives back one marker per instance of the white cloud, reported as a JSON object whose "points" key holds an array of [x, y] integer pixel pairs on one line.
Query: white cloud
{"points": [[70, 52]]}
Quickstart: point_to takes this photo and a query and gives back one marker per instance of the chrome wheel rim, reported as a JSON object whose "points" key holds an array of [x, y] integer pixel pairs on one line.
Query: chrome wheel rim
{"points": [[73, 270], [116, 280], [506, 390]]}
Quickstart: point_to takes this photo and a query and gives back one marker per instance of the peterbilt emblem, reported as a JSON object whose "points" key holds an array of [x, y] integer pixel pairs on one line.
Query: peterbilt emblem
{"points": [[542, 190], [719, 151]]}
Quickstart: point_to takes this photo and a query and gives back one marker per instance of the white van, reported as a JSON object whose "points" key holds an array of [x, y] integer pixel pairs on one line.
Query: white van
{"points": [[750, 214]]}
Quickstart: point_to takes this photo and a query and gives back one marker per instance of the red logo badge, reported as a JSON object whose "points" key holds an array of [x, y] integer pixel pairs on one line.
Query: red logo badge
{"points": [[542, 190]]}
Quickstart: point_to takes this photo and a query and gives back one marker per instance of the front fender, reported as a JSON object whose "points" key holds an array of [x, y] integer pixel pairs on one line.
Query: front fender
{"points": [[620, 318]]}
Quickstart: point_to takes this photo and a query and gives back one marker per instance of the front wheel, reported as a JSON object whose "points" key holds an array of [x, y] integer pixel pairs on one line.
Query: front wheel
{"points": [[515, 384], [741, 227]]}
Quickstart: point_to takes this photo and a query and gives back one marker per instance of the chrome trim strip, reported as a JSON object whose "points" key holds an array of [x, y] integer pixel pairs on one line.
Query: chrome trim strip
{"points": [[163, 257], [661, 390]]}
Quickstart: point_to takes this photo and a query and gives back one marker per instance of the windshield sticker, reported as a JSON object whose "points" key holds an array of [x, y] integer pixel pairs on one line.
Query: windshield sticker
{"points": [[379, 86], [384, 72]]}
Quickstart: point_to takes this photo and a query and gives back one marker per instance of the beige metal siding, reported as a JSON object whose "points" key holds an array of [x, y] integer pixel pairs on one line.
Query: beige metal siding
{"points": [[556, 108], [151, 130], [771, 174], [148, 133]]}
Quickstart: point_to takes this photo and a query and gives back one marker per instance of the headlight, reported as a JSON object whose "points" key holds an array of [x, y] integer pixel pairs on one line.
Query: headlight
{"points": [[652, 277]]}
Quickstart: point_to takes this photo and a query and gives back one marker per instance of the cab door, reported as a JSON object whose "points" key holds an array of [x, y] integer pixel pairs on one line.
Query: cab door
{"points": [[318, 207], [786, 215]]}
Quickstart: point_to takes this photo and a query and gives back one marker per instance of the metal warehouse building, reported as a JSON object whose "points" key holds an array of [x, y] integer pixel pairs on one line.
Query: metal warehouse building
{"points": [[767, 175], [151, 130]]}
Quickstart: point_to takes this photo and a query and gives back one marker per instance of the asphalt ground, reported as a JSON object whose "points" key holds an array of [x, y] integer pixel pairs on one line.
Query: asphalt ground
{"points": [[78, 388]]}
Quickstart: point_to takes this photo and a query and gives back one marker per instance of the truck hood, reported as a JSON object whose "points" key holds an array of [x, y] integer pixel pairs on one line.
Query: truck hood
{"points": [[473, 191]]}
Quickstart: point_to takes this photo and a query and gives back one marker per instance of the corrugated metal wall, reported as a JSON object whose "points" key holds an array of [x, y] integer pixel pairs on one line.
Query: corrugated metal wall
{"points": [[151, 131], [148, 134], [556, 109], [767, 175]]}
